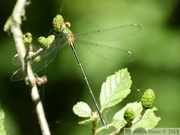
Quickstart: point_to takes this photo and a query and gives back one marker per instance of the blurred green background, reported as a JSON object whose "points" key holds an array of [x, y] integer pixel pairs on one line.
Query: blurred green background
{"points": [[156, 65]]}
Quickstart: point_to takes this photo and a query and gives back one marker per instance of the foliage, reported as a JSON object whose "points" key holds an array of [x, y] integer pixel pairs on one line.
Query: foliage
{"points": [[133, 115]]}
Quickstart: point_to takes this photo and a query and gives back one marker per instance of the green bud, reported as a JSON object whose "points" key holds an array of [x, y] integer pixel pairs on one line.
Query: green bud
{"points": [[45, 42], [129, 114], [37, 59], [42, 40], [27, 38], [7, 24], [58, 23], [148, 99], [50, 39]]}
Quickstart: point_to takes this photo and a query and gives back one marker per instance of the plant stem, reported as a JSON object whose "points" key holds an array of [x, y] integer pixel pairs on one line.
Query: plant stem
{"points": [[135, 120], [37, 102], [94, 127], [16, 30], [14, 23], [103, 128]]}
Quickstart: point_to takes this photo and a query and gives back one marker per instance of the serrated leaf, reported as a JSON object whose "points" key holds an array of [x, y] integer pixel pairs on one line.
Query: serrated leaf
{"points": [[118, 119], [148, 121], [82, 109], [115, 89], [2, 116]]}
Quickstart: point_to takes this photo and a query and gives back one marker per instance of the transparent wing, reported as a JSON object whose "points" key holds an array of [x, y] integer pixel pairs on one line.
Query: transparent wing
{"points": [[45, 58], [16, 60], [111, 34], [108, 52]]}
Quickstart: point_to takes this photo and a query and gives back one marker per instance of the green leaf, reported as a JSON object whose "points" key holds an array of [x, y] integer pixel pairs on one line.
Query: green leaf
{"points": [[2, 116], [148, 121], [115, 89], [118, 119], [82, 109]]}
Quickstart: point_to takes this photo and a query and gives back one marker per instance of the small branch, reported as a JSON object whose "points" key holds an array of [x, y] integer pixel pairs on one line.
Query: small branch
{"points": [[35, 54], [103, 128], [38, 104], [16, 30], [138, 118], [135, 120], [94, 124], [13, 23]]}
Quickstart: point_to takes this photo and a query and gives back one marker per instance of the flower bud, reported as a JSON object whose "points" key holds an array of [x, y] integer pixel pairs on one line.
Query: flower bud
{"points": [[148, 99], [129, 115], [27, 38]]}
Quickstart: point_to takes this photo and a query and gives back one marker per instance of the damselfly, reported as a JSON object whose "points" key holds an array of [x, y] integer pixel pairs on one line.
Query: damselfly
{"points": [[64, 37]]}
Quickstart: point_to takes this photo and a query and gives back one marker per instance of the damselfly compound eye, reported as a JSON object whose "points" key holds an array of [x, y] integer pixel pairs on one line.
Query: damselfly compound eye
{"points": [[68, 24]]}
